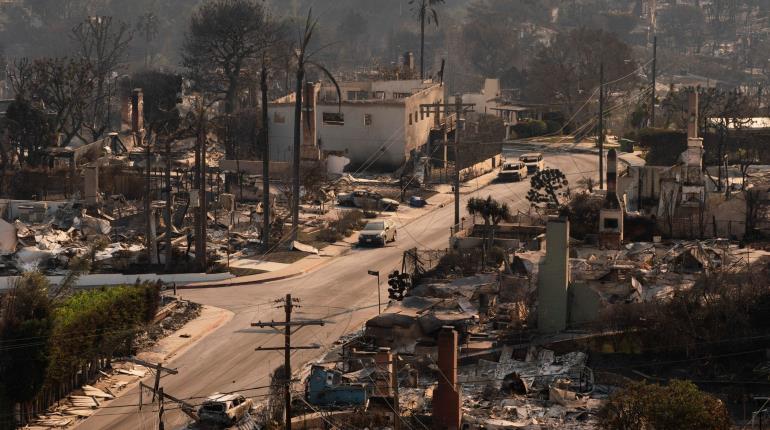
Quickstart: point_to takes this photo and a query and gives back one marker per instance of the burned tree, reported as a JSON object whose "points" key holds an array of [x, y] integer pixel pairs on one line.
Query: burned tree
{"points": [[103, 43], [304, 60], [64, 86], [426, 13], [223, 45]]}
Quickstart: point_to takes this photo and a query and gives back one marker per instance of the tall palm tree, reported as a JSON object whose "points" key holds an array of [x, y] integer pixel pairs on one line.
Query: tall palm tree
{"points": [[425, 13], [304, 60]]}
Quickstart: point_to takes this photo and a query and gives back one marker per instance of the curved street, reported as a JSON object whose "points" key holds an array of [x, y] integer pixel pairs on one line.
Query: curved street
{"points": [[339, 292]]}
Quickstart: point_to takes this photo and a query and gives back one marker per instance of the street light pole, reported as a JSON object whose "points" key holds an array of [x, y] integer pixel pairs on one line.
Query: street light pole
{"points": [[379, 296]]}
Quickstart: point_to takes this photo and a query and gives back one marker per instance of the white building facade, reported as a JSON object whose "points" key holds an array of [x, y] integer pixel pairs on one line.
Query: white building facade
{"points": [[378, 125]]}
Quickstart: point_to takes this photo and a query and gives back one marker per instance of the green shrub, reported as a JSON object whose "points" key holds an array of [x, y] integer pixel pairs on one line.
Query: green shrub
{"points": [[538, 128], [25, 314], [663, 146], [98, 323], [679, 405], [552, 127], [531, 128]]}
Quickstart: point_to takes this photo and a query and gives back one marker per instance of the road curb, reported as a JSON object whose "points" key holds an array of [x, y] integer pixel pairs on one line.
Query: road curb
{"points": [[265, 280]]}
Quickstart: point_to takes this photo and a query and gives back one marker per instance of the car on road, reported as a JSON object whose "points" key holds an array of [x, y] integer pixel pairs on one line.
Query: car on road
{"points": [[533, 161], [515, 171], [224, 409], [378, 232], [366, 199]]}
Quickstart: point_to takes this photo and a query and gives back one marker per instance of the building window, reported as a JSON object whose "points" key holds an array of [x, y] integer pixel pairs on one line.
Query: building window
{"points": [[380, 95], [410, 119], [278, 118], [611, 223], [401, 95], [358, 95], [367, 119], [422, 115], [334, 118], [415, 116]]}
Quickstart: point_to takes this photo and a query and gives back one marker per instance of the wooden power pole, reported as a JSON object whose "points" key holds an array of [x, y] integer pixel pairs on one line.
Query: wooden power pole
{"points": [[288, 304], [459, 109], [600, 138], [654, 71]]}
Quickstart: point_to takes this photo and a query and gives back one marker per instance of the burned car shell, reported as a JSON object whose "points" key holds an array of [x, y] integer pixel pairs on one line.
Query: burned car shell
{"points": [[225, 409]]}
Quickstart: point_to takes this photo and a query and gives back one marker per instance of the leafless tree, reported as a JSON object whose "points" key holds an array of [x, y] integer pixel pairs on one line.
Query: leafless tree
{"points": [[147, 25], [103, 42], [426, 13], [304, 59], [64, 86], [224, 43]]}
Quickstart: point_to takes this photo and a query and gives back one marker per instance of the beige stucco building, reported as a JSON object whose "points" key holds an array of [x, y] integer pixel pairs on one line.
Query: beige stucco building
{"points": [[377, 125]]}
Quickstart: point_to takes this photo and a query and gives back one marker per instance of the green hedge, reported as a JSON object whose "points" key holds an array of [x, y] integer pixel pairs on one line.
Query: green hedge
{"points": [[98, 324], [530, 128]]}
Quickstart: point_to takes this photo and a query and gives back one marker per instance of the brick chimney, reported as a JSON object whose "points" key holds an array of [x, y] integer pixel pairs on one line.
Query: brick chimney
{"points": [[409, 60], [383, 362], [553, 280], [611, 213], [446, 397], [137, 110], [612, 174], [309, 150], [692, 110]]}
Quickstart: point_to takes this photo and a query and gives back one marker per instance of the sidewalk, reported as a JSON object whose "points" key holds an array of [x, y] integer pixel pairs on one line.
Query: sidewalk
{"points": [[297, 268], [127, 377], [174, 344], [406, 215]]}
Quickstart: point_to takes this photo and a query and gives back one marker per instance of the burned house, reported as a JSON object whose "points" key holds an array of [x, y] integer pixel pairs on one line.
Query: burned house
{"points": [[683, 199]]}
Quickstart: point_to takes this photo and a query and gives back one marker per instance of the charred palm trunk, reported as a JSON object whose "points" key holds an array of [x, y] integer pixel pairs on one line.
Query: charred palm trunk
{"points": [[296, 151]]}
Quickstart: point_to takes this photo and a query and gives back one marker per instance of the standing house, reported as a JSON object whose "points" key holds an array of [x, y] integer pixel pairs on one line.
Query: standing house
{"points": [[378, 123]]}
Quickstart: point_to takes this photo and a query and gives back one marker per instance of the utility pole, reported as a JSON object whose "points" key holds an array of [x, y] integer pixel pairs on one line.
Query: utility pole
{"points": [[200, 183], [265, 158], [458, 109], [288, 304], [161, 426], [379, 296], [458, 127], [396, 404], [654, 71], [167, 213], [185, 407], [601, 126], [149, 223]]}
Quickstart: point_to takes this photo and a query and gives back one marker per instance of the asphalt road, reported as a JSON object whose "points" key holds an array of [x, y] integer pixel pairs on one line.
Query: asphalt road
{"points": [[339, 292]]}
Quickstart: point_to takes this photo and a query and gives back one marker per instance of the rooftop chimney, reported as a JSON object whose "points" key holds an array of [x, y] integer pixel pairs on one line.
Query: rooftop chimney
{"points": [[446, 397], [137, 110], [612, 174], [692, 110], [409, 60], [309, 150], [611, 213], [554, 278]]}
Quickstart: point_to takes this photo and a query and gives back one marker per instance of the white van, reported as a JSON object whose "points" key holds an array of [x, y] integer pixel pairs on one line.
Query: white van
{"points": [[533, 161]]}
